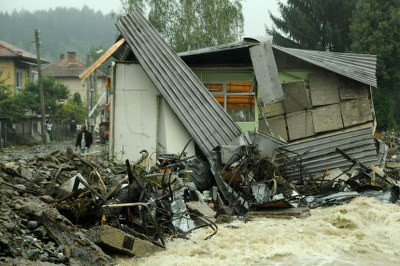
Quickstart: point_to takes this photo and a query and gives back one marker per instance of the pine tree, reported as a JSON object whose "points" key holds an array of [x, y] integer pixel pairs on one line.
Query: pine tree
{"points": [[374, 30], [313, 24]]}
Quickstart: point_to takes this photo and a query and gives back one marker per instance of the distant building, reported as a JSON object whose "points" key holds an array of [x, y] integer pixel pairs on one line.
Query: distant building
{"points": [[67, 70], [17, 66]]}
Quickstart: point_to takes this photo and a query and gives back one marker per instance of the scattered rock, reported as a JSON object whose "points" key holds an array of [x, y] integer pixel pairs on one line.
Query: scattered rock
{"points": [[32, 225]]}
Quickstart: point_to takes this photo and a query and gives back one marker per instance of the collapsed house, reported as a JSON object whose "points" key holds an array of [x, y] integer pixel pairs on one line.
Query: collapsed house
{"points": [[257, 120]]}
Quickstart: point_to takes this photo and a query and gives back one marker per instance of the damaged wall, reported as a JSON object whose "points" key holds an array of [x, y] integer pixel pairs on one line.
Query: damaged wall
{"points": [[139, 122], [318, 102]]}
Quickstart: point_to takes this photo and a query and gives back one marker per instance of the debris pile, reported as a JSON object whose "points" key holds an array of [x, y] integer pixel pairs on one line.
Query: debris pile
{"points": [[64, 207]]}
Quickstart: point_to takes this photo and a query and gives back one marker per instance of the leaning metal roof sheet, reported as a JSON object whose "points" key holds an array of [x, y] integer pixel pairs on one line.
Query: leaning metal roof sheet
{"points": [[360, 67], [203, 117], [319, 154]]}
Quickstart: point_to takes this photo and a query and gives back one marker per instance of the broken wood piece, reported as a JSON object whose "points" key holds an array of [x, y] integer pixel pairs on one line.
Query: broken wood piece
{"points": [[392, 165], [280, 213], [83, 181], [115, 240], [101, 60]]}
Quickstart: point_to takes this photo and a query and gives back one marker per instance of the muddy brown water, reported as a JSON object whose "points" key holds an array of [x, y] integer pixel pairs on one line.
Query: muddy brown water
{"points": [[363, 232]]}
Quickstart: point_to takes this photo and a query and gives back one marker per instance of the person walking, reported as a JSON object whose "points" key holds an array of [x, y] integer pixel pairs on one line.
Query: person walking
{"points": [[84, 140], [49, 127]]}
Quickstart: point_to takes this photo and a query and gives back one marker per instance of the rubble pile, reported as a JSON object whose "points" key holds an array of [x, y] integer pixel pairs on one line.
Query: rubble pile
{"points": [[64, 207]]}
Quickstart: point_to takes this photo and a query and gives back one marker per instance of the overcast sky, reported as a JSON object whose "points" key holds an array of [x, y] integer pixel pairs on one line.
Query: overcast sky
{"points": [[255, 11]]}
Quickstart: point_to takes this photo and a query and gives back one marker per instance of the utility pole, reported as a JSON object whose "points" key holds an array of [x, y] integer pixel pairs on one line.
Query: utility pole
{"points": [[88, 92], [40, 84]]}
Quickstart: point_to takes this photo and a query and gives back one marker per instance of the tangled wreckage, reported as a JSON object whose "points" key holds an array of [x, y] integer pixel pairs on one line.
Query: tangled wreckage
{"points": [[233, 130]]}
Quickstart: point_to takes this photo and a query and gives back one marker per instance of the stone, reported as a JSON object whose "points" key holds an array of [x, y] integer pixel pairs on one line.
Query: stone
{"points": [[40, 232], [9, 226], [201, 208], [28, 208], [20, 186], [26, 173], [47, 199], [32, 254], [32, 225]]}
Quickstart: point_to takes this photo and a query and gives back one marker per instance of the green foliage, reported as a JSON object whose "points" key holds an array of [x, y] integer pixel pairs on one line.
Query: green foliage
{"points": [[76, 98], [374, 30], [313, 24], [61, 29], [192, 24], [73, 111], [12, 108], [54, 94]]}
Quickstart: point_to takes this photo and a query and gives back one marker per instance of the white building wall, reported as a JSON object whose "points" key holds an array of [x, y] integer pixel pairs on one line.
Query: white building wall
{"points": [[140, 119]]}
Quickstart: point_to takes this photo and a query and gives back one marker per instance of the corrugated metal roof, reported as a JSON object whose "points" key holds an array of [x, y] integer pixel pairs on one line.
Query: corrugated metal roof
{"points": [[360, 67], [218, 48], [196, 108], [319, 154]]}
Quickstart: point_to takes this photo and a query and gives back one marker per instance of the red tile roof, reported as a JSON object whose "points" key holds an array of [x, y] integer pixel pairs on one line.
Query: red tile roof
{"points": [[9, 50], [71, 66]]}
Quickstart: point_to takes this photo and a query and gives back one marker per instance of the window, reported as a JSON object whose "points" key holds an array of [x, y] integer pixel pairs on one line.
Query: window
{"points": [[237, 98], [18, 77]]}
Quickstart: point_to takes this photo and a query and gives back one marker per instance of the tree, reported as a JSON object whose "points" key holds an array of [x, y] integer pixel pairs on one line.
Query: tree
{"points": [[73, 111], [54, 94], [374, 30], [313, 24], [192, 24], [11, 107], [76, 98]]}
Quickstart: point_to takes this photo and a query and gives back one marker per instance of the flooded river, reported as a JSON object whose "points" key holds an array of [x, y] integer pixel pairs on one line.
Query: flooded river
{"points": [[363, 232]]}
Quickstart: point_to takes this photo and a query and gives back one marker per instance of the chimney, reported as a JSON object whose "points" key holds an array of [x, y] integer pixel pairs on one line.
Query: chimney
{"points": [[71, 56], [61, 56]]}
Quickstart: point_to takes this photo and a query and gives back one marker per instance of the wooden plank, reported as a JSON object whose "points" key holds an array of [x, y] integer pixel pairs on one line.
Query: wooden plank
{"points": [[355, 112], [281, 213], [101, 60], [324, 89], [266, 72], [327, 118]]}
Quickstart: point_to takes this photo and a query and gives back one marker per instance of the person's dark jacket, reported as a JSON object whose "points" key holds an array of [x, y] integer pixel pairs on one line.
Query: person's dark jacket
{"points": [[88, 139]]}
